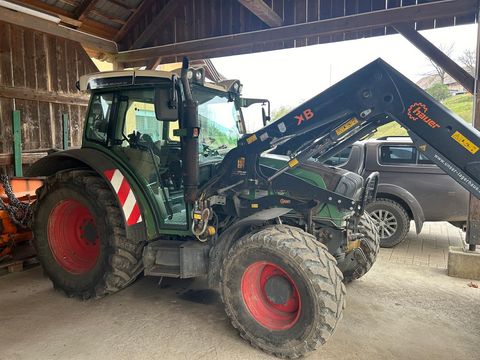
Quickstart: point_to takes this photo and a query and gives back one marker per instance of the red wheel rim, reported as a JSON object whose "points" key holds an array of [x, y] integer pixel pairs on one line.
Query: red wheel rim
{"points": [[73, 236], [271, 296]]}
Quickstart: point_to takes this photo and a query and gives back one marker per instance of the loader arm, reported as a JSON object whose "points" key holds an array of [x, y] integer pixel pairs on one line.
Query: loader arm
{"points": [[348, 111]]}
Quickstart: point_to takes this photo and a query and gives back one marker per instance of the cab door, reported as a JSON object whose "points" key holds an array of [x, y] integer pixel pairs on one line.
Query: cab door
{"points": [[140, 141]]}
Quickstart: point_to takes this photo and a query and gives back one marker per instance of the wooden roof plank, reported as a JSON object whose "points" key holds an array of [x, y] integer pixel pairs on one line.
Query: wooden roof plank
{"points": [[158, 21], [332, 26], [108, 17], [65, 16], [263, 12], [133, 19], [122, 5], [85, 7]]}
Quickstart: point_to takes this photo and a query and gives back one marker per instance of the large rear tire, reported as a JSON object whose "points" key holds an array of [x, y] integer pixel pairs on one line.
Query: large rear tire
{"points": [[370, 246], [282, 290], [80, 237]]}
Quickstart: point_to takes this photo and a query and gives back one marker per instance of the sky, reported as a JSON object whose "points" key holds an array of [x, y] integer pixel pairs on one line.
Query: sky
{"points": [[291, 76]]}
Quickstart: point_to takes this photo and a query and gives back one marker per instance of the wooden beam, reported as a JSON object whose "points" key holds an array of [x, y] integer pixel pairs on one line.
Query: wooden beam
{"points": [[64, 15], [87, 25], [322, 27], [96, 28], [263, 12], [153, 63], [46, 96], [133, 19], [157, 22], [85, 7], [35, 23], [436, 55]]}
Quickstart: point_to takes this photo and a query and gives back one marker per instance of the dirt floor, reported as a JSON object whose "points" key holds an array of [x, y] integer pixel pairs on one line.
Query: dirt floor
{"points": [[397, 311]]}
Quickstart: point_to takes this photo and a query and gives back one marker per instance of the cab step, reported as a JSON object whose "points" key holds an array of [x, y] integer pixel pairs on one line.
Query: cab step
{"points": [[177, 259]]}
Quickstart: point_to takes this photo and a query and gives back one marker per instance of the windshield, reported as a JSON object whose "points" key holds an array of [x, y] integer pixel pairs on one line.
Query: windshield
{"points": [[218, 119]]}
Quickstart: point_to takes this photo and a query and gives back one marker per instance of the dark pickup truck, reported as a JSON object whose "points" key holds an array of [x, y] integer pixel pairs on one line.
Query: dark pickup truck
{"points": [[411, 187]]}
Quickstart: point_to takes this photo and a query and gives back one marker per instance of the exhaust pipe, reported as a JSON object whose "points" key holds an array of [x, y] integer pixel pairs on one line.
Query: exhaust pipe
{"points": [[190, 131]]}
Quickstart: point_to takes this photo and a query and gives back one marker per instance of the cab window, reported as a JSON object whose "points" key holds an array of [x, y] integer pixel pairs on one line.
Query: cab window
{"points": [[218, 118], [140, 116], [98, 117]]}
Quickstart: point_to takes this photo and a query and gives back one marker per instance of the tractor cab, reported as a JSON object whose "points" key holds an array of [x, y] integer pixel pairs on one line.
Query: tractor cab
{"points": [[133, 117]]}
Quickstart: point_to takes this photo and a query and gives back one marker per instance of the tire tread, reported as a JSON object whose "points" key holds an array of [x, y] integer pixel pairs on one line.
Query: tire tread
{"points": [[370, 245], [125, 261], [323, 275]]}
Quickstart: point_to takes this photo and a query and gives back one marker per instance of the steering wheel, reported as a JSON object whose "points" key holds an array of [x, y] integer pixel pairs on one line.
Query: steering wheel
{"points": [[133, 139]]}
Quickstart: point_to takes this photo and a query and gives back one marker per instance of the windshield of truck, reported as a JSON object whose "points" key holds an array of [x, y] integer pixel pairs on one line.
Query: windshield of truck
{"points": [[218, 119]]}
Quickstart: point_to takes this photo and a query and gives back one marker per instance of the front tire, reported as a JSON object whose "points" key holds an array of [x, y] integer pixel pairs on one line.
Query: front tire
{"points": [[282, 290], [370, 246], [80, 236]]}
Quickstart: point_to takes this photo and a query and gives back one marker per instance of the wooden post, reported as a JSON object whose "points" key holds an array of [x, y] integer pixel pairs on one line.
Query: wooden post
{"points": [[66, 131], [17, 143], [473, 224]]}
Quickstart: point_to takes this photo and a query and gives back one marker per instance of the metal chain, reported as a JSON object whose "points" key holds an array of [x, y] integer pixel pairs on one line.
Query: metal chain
{"points": [[20, 213]]}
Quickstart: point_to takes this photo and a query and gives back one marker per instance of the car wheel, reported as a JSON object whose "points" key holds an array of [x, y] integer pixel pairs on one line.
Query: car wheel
{"points": [[392, 221]]}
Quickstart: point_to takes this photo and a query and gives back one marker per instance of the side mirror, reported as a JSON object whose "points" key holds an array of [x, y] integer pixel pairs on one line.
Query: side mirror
{"points": [[245, 102], [166, 102]]}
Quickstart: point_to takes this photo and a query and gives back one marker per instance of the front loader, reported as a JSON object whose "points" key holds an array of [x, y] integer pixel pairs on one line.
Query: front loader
{"points": [[168, 183]]}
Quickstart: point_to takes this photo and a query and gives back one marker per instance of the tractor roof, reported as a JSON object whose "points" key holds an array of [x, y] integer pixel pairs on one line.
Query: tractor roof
{"points": [[113, 79]]}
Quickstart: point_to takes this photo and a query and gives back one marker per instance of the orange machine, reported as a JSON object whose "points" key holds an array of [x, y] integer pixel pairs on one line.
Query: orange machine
{"points": [[13, 192]]}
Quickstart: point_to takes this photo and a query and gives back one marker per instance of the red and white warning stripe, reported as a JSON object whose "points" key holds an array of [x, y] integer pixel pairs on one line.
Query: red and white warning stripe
{"points": [[130, 208]]}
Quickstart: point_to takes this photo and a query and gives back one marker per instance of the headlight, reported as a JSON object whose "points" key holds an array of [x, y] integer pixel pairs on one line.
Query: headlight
{"points": [[189, 74], [198, 75]]}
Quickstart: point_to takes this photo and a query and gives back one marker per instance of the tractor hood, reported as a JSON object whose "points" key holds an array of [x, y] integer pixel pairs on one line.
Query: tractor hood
{"points": [[334, 179]]}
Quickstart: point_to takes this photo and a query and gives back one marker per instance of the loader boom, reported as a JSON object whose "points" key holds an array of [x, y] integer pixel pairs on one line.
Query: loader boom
{"points": [[348, 111]]}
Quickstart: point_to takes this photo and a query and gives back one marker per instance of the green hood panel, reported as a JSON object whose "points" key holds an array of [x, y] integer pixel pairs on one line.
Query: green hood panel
{"points": [[326, 212], [307, 175]]}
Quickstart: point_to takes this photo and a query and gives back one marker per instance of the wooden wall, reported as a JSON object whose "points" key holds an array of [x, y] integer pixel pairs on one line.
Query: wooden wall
{"points": [[38, 73]]}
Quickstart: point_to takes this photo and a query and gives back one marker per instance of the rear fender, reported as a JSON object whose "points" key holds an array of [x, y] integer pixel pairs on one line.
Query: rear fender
{"points": [[405, 197], [135, 210]]}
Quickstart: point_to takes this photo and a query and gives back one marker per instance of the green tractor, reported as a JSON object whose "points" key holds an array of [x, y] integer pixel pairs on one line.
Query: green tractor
{"points": [[168, 183]]}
